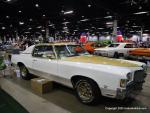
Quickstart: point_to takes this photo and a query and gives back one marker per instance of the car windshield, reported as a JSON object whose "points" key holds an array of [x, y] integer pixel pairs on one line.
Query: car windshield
{"points": [[70, 51], [113, 45]]}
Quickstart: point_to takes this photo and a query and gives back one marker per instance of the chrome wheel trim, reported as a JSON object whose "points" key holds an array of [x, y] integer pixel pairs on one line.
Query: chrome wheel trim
{"points": [[84, 91], [24, 72]]}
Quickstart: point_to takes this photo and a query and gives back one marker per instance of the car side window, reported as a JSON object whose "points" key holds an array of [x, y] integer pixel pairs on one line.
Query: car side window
{"points": [[129, 46], [37, 51], [44, 52], [113, 45], [61, 51]]}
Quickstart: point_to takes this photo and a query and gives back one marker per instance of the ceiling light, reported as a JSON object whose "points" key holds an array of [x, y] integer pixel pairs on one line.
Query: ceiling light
{"points": [[30, 19], [89, 5], [84, 20], [140, 7], [109, 23], [20, 11], [7, 17], [139, 31], [39, 27], [146, 30], [140, 13], [147, 14], [68, 12], [50, 25], [132, 31], [53, 27], [107, 13], [44, 15], [100, 28], [145, 34], [7, 0], [26, 32], [3, 28], [62, 11], [135, 26], [108, 17], [65, 22], [36, 5], [43, 30], [21, 23], [65, 27], [10, 25]]}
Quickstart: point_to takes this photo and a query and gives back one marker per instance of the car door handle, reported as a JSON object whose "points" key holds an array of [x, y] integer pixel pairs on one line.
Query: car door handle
{"points": [[34, 60]]}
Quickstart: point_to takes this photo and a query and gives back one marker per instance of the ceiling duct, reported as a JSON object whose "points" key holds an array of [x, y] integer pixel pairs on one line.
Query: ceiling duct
{"points": [[131, 2], [135, 2]]}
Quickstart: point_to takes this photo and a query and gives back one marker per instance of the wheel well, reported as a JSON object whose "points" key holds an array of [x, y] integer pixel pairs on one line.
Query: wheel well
{"points": [[75, 78], [116, 53], [20, 64]]}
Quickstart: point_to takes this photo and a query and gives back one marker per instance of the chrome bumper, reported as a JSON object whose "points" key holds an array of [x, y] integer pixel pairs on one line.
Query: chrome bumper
{"points": [[132, 87], [135, 85]]}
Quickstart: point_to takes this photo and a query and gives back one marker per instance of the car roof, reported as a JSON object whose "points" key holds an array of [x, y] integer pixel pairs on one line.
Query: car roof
{"points": [[123, 43], [57, 44]]}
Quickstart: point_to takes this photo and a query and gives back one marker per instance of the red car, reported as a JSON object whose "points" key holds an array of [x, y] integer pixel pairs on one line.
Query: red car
{"points": [[90, 46], [140, 52]]}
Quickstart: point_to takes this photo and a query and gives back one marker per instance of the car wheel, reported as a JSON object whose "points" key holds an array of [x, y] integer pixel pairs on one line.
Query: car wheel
{"points": [[24, 73], [116, 55], [87, 91], [121, 55]]}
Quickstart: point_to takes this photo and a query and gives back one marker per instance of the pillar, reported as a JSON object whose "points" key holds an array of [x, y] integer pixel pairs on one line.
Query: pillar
{"points": [[115, 24]]}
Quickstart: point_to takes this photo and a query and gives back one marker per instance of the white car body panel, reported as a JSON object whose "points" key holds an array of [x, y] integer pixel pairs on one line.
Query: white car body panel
{"points": [[110, 51], [106, 76]]}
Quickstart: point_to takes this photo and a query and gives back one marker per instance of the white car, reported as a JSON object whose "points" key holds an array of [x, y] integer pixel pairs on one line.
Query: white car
{"points": [[91, 76], [115, 50]]}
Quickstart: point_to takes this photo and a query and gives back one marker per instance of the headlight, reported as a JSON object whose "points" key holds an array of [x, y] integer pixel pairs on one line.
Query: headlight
{"points": [[129, 77], [123, 83]]}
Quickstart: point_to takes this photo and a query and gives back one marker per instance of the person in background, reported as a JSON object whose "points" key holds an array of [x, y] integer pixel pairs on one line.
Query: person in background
{"points": [[51, 39]]}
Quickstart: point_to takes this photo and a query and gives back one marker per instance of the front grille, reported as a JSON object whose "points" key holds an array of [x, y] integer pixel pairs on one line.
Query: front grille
{"points": [[139, 76]]}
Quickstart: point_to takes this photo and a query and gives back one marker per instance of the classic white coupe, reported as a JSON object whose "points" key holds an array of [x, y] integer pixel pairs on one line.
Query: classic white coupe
{"points": [[115, 50], [91, 76]]}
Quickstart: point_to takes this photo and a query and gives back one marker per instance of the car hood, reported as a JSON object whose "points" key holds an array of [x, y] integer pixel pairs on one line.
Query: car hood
{"points": [[101, 60]]}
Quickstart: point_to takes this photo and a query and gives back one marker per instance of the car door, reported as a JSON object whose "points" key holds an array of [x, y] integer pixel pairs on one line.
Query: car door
{"points": [[127, 48], [44, 61], [64, 71]]}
